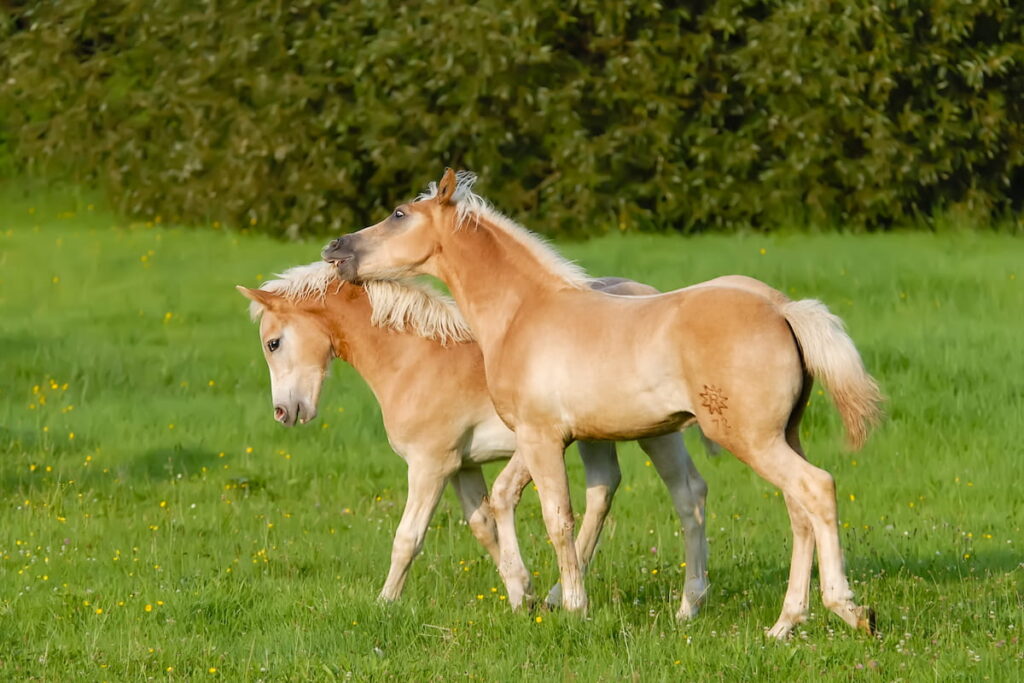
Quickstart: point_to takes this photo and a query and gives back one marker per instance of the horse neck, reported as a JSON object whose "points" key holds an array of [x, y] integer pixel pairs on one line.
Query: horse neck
{"points": [[491, 275], [375, 352]]}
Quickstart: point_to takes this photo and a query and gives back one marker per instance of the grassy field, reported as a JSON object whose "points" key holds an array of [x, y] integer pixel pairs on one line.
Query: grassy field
{"points": [[156, 523]]}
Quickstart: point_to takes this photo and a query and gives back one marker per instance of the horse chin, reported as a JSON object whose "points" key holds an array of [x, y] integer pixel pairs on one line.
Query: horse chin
{"points": [[347, 268], [302, 413], [342, 257], [306, 414]]}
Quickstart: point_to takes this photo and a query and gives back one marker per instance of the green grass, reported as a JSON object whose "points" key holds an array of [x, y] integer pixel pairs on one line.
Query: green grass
{"points": [[156, 523]]}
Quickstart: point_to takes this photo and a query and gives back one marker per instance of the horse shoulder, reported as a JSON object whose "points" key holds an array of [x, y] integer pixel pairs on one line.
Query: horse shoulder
{"points": [[434, 391]]}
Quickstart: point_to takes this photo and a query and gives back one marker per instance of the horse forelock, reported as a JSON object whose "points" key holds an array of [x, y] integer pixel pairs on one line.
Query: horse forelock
{"points": [[300, 283], [472, 208]]}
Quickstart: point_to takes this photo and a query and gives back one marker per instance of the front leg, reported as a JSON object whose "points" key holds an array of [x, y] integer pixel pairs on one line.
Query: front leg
{"points": [[545, 456], [426, 482], [505, 495], [601, 467]]}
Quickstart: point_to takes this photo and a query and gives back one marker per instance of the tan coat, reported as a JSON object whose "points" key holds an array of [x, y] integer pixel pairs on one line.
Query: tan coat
{"points": [[564, 362]]}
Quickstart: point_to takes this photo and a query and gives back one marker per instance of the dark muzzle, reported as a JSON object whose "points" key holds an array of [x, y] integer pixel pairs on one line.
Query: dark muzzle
{"points": [[341, 253]]}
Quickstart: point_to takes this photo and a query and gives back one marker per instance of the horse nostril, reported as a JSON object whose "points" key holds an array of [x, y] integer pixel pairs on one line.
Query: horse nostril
{"points": [[331, 246], [280, 414]]}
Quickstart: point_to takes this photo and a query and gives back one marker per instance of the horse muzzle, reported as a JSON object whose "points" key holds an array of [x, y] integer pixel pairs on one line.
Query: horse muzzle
{"points": [[299, 413], [341, 254]]}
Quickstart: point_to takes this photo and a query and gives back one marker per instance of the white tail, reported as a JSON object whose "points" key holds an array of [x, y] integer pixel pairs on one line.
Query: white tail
{"points": [[831, 357]]}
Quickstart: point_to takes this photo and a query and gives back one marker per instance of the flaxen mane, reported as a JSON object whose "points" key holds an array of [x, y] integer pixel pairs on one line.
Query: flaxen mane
{"points": [[300, 283], [408, 303], [471, 207], [400, 305]]}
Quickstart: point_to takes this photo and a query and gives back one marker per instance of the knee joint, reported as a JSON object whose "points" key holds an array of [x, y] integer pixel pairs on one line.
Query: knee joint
{"points": [[408, 544], [699, 488]]}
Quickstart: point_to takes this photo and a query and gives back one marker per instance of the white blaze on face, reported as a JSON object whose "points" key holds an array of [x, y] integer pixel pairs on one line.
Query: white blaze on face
{"points": [[298, 354]]}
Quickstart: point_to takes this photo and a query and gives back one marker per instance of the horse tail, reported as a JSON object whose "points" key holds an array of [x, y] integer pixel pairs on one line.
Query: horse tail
{"points": [[830, 356]]}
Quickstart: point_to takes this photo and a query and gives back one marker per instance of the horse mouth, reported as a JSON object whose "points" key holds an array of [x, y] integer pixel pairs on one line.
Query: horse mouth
{"points": [[338, 261], [303, 414], [344, 265], [335, 254]]}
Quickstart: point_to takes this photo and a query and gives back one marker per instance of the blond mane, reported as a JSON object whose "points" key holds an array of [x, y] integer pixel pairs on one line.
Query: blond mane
{"points": [[400, 305], [472, 208], [300, 283], [408, 303]]}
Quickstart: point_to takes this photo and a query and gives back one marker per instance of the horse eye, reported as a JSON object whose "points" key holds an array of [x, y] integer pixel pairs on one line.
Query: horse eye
{"points": [[273, 344], [399, 213]]}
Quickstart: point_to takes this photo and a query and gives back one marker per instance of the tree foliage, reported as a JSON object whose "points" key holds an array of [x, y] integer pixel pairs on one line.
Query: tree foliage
{"points": [[581, 116]]}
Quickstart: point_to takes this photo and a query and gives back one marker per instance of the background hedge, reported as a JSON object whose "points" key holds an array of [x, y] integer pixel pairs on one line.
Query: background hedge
{"points": [[304, 117]]}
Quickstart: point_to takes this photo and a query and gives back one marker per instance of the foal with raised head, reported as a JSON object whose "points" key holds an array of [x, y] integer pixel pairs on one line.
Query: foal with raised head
{"points": [[564, 362], [416, 353]]}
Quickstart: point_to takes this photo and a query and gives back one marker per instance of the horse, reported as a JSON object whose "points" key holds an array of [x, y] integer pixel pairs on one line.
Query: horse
{"points": [[565, 362], [414, 350]]}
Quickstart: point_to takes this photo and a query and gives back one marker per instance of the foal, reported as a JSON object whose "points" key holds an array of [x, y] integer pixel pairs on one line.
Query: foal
{"points": [[416, 353], [564, 362]]}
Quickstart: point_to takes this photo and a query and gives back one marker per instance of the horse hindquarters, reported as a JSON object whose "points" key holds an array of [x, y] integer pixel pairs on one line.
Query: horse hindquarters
{"points": [[741, 367], [747, 397]]}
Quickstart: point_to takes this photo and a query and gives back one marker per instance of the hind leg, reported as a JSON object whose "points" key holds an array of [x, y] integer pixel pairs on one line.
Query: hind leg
{"points": [[689, 492], [813, 490], [794, 606], [470, 486]]}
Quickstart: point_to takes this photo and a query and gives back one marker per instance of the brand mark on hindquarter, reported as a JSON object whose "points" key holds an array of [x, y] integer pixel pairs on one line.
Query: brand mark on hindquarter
{"points": [[714, 400]]}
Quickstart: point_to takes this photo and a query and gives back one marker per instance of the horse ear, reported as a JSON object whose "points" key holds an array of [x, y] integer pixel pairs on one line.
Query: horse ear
{"points": [[259, 296], [446, 188]]}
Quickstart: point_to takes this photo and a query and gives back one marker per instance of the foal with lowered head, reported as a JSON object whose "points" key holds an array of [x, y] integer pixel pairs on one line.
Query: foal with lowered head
{"points": [[417, 355]]}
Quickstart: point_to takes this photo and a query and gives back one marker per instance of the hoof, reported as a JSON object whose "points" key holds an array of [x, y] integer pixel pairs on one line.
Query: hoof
{"points": [[688, 611], [579, 607], [519, 602], [693, 598], [554, 599], [781, 630], [865, 620]]}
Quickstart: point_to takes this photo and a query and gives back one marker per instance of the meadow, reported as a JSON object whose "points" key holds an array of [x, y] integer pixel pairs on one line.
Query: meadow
{"points": [[156, 523]]}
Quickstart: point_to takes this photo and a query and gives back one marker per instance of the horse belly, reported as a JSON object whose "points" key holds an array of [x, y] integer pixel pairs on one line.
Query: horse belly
{"points": [[622, 415], [491, 440], [628, 399], [609, 387]]}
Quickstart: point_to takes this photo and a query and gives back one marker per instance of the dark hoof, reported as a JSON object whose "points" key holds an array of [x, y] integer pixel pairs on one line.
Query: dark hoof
{"points": [[866, 620]]}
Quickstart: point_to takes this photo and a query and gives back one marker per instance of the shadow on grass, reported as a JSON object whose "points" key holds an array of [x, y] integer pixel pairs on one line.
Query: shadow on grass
{"points": [[946, 568], [740, 580], [175, 462], [184, 462]]}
